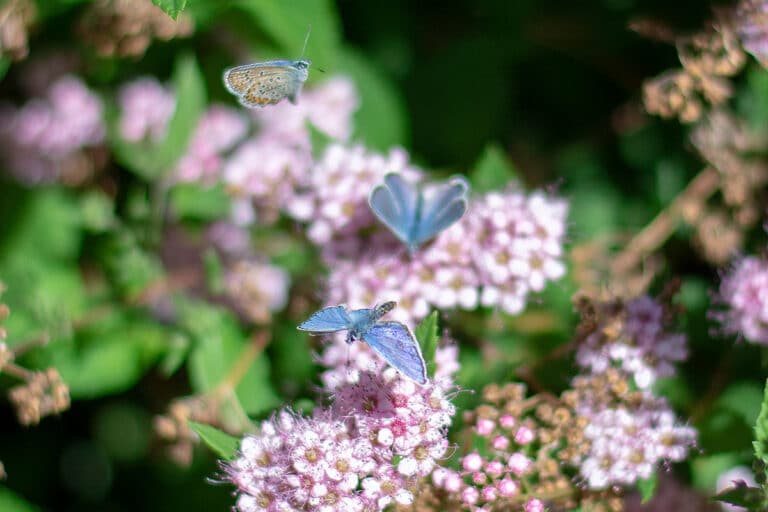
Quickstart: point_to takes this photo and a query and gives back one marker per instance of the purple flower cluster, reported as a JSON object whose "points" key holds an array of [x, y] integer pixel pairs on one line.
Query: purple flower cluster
{"points": [[40, 138], [381, 435], [630, 430], [744, 293], [752, 26], [644, 349], [507, 245]]}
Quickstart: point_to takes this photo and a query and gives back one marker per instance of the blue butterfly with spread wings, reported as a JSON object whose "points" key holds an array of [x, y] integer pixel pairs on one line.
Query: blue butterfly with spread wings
{"points": [[391, 340], [412, 217]]}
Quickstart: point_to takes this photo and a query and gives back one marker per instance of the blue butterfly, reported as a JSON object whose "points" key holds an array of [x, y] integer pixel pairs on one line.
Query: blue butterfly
{"points": [[412, 217], [391, 340], [267, 83]]}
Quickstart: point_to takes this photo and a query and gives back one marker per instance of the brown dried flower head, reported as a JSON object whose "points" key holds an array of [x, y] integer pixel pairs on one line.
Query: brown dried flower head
{"points": [[16, 16]]}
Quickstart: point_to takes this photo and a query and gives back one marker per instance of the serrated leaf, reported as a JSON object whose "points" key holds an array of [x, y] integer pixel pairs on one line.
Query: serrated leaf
{"points": [[647, 488], [194, 201], [171, 7], [427, 336], [492, 171], [220, 442], [760, 444], [287, 24], [740, 494]]}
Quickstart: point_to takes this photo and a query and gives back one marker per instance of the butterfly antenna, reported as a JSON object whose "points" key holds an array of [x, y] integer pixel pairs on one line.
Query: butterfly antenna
{"points": [[306, 40]]}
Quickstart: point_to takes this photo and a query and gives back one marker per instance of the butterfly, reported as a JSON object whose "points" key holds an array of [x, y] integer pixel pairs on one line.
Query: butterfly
{"points": [[267, 83], [391, 340], [412, 217]]}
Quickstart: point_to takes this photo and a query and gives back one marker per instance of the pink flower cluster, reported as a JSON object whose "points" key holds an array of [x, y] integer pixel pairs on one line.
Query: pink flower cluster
{"points": [[507, 245], [381, 435], [146, 107], [744, 293], [262, 157], [644, 350], [632, 433], [39, 136], [497, 477], [752, 26], [627, 444]]}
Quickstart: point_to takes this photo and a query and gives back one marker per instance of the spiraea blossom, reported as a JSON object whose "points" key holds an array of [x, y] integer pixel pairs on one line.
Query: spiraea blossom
{"points": [[370, 449], [258, 289], [506, 246], [751, 22], [146, 107], [44, 140], [629, 429], [266, 171], [218, 131], [743, 295]]}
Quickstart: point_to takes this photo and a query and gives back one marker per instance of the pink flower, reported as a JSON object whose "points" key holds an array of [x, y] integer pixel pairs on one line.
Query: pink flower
{"points": [[534, 505], [146, 107], [744, 293]]}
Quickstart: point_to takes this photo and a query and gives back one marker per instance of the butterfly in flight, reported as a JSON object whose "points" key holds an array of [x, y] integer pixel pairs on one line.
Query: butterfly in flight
{"points": [[391, 340], [413, 217], [267, 83]]}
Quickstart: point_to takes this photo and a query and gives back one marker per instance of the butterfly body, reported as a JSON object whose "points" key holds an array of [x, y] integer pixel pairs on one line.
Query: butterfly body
{"points": [[267, 83], [410, 215], [391, 340]]}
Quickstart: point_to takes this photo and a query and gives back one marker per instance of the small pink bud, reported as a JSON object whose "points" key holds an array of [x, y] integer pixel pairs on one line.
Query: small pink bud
{"points": [[524, 435], [479, 478], [494, 468], [484, 426], [470, 495], [534, 505], [452, 482], [472, 462], [489, 493], [519, 463], [507, 421], [500, 443], [507, 487]]}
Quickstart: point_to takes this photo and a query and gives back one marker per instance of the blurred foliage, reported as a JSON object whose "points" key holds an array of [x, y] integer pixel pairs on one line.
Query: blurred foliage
{"points": [[528, 92]]}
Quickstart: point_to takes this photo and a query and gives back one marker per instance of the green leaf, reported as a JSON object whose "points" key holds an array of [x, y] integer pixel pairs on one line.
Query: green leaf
{"points": [[97, 211], [287, 24], [171, 7], [218, 345], [427, 336], [647, 488], [740, 494], [194, 201], [380, 120], [5, 65], [760, 443], [176, 353], [12, 502], [130, 266], [220, 442], [214, 271], [107, 357], [493, 171]]}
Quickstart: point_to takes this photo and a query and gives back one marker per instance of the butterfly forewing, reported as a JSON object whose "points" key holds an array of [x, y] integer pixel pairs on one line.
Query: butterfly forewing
{"points": [[394, 203], [331, 319], [395, 343]]}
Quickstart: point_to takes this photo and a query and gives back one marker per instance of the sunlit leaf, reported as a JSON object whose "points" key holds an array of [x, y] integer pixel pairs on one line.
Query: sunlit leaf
{"points": [[220, 442], [171, 7]]}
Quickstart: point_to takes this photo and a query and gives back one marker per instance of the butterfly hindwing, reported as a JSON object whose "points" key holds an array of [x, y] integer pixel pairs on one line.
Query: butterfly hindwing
{"points": [[266, 83], [447, 206], [396, 344], [330, 319], [395, 204]]}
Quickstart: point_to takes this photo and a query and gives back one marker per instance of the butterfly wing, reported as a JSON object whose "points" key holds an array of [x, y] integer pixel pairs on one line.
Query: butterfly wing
{"points": [[395, 204], [330, 319], [265, 83], [396, 344], [441, 210]]}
